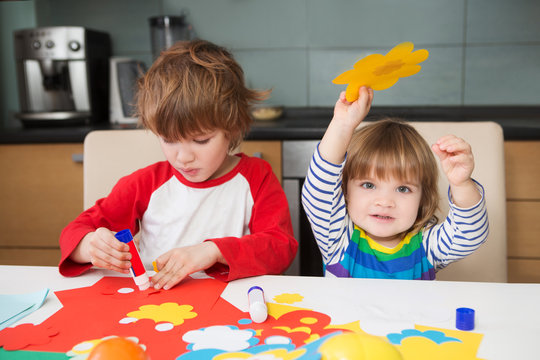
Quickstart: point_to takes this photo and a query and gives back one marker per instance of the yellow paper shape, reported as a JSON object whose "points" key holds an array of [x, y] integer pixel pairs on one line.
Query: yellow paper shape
{"points": [[288, 298], [381, 72], [166, 312], [419, 348], [283, 354], [278, 310]]}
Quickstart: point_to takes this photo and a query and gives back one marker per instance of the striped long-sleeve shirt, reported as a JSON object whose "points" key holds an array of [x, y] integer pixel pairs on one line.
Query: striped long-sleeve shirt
{"points": [[348, 252]]}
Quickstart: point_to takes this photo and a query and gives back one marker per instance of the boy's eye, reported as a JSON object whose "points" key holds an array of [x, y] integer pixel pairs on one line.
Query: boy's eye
{"points": [[368, 185], [201, 141], [403, 189]]}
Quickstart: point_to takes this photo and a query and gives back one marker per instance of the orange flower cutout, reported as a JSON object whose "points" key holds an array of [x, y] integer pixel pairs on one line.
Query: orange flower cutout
{"points": [[381, 72]]}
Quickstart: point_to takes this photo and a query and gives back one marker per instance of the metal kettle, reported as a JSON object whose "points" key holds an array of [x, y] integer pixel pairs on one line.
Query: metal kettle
{"points": [[165, 30]]}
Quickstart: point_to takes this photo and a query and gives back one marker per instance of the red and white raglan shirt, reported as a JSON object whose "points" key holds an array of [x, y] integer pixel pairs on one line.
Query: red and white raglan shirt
{"points": [[245, 213]]}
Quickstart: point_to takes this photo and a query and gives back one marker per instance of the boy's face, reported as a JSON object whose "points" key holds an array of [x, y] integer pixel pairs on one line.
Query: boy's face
{"points": [[201, 157], [383, 208]]}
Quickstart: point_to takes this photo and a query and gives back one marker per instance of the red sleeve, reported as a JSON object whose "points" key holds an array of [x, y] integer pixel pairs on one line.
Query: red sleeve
{"points": [[270, 247], [121, 209]]}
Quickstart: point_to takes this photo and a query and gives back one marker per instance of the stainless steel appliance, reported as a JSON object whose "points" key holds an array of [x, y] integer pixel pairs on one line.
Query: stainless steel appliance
{"points": [[296, 157], [63, 75], [124, 73], [166, 30]]}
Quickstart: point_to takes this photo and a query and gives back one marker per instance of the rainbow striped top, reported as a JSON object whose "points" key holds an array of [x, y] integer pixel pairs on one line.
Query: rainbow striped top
{"points": [[365, 258]]}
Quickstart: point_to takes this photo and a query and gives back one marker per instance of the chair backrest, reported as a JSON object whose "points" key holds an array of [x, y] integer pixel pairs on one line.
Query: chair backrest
{"points": [[489, 262], [111, 154]]}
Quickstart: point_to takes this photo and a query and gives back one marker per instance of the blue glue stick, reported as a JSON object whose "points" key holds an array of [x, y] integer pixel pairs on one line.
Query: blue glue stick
{"points": [[137, 268], [257, 306]]}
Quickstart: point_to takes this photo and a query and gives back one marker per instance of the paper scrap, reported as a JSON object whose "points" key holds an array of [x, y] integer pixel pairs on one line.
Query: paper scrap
{"points": [[15, 307]]}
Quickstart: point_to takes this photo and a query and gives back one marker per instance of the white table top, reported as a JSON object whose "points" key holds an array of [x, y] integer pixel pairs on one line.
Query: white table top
{"points": [[507, 314]]}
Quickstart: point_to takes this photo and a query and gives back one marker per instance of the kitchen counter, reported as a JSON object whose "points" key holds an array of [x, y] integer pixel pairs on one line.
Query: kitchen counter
{"points": [[518, 123]]}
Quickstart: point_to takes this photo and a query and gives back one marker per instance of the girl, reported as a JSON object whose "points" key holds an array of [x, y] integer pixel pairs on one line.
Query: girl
{"points": [[371, 198]]}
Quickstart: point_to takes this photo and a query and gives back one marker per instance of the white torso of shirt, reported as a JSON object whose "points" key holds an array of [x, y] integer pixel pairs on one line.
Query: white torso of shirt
{"points": [[179, 215]]}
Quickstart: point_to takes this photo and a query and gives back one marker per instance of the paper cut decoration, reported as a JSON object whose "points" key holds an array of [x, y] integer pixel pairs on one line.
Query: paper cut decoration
{"points": [[228, 338], [167, 312], [15, 307], [164, 322], [381, 72], [24, 335], [32, 355], [437, 337], [424, 347], [288, 298]]}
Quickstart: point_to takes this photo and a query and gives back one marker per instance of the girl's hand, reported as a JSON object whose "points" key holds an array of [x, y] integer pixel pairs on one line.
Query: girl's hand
{"points": [[457, 162], [456, 158], [103, 250], [176, 264], [353, 113], [347, 116]]}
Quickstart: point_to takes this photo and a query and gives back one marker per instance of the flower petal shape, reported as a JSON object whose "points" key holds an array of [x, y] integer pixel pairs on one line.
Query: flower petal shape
{"points": [[381, 72]]}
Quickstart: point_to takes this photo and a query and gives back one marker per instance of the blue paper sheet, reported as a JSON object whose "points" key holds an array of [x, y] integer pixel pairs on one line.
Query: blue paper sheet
{"points": [[15, 307]]}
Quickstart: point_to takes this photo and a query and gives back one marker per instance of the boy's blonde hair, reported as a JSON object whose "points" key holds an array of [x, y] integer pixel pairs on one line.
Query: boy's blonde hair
{"points": [[391, 148], [195, 87]]}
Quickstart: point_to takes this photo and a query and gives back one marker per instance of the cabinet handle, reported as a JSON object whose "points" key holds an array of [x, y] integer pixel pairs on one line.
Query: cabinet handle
{"points": [[77, 158]]}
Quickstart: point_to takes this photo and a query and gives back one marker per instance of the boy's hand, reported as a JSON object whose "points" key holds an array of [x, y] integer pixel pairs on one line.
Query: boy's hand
{"points": [[457, 162], [178, 263], [103, 250]]}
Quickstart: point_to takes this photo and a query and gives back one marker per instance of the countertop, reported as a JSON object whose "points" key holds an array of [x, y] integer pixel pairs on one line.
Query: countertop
{"points": [[518, 123]]}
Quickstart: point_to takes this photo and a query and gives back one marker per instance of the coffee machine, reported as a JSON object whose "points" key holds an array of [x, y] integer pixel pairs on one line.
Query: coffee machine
{"points": [[63, 75]]}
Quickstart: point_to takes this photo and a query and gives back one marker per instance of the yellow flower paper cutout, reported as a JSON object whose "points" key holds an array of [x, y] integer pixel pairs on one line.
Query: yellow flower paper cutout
{"points": [[282, 354], [169, 312], [381, 72]]}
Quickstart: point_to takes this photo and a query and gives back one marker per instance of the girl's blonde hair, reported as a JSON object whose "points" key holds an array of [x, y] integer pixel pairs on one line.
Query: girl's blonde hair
{"points": [[391, 148], [194, 87]]}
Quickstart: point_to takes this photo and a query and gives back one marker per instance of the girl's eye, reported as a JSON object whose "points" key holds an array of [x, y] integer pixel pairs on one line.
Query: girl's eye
{"points": [[403, 189], [368, 185]]}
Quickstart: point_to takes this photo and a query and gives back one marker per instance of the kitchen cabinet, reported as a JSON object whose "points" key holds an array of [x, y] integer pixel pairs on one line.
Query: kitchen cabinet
{"points": [[522, 161], [268, 150], [41, 191]]}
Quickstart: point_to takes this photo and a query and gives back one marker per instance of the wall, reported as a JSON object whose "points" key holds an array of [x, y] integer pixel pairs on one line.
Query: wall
{"points": [[482, 52], [13, 15]]}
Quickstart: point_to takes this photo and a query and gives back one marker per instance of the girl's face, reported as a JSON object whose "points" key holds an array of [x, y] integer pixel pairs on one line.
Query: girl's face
{"points": [[383, 208], [202, 157]]}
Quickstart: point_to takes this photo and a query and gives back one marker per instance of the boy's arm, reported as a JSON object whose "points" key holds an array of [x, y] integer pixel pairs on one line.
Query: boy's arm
{"points": [[119, 210], [347, 116], [270, 247]]}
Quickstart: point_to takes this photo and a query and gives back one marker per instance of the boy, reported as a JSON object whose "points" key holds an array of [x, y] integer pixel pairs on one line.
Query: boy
{"points": [[203, 208]]}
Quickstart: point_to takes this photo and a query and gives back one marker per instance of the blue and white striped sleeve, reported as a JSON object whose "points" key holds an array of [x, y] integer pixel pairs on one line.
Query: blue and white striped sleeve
{"points": [[324, 204], [461, 233]]}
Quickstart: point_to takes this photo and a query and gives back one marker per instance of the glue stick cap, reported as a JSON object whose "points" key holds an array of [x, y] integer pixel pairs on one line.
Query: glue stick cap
{"points": [[124, 236], [464, 318]]}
